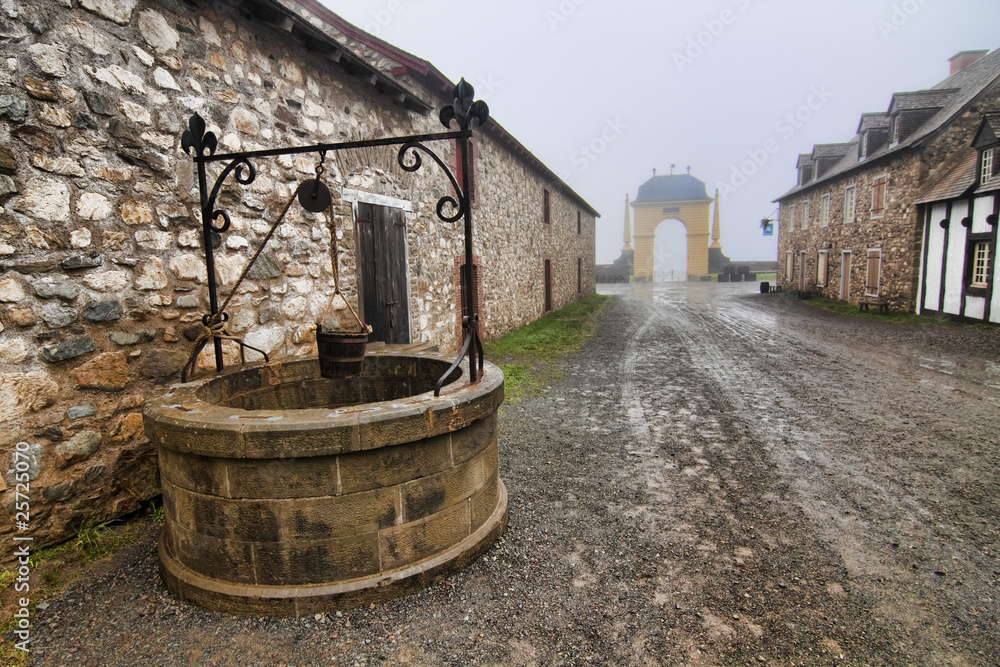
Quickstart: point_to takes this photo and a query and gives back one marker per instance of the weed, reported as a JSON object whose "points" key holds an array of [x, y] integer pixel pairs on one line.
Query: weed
{"points": [[527, 355], [156, 512], [7, 577]]}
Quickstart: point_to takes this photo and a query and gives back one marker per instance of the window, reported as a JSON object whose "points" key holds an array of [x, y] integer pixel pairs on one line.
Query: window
{"points": [[977, 262], [821, 268], [805, 215], [980, 264], [849, 199], [894, 131], [986, 168], [460, 167], [874, 270], [789, 266], [791, 217], [824, 210], [548, 286], [546, 207], [878, 196], [579, 226], [863, 147]]}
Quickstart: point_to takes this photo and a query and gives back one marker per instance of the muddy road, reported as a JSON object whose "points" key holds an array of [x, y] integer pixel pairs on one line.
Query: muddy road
{"points": [[719, 478]]}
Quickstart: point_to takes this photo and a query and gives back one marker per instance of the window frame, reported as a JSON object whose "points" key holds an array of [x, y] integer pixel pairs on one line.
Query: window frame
{"points": [[789, 265], [973, 242], [987, 165], [863, 146], [822, 268], [805, 214], [824, 210], [851, 190], [791, 217]]}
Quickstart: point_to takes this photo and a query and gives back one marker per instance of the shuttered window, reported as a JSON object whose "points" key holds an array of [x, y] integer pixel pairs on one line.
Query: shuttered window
{"points": [[878, 196], [874, 269], [822, 270], [789, 266], [805, 215]]}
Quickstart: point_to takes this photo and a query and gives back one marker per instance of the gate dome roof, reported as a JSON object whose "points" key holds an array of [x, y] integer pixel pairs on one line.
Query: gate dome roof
{"points": [[673, 187]]}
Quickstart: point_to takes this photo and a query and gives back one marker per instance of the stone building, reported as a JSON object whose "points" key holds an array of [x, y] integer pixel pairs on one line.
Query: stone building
{"points": [[851, 228], [103, 281]]}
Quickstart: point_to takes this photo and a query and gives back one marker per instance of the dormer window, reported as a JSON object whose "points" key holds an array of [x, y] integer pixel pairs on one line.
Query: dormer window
{"points": [[863, 147], [894, 131], [986, 166], [805, 175]]}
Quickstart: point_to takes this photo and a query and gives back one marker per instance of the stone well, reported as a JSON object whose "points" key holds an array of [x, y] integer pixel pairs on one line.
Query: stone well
{"points": [[288, 494]]}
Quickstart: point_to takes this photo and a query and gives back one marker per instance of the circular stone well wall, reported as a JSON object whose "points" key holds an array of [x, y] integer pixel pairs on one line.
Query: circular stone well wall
{"points": [[288, 494]]}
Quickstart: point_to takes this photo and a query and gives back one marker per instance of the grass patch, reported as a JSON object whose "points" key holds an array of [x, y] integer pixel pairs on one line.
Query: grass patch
{"points": [[893, 316], [767, 276], [528, 356]]}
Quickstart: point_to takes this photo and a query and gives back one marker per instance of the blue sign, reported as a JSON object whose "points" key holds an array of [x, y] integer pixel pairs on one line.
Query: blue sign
{"points": [[769, 230]]}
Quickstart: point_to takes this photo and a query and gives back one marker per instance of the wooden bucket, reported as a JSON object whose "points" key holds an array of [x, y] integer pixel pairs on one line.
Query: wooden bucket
{"points": [[341, 353]]}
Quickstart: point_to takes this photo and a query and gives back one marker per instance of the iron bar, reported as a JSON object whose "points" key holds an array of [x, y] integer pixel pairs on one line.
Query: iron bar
{"points": [[343, 145]]}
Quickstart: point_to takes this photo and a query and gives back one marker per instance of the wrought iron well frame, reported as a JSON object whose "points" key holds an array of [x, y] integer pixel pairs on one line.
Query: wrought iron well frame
{"points": [[464, 110]]}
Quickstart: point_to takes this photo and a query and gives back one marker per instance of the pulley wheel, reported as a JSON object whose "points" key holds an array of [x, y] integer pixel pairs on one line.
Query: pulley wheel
{"points": [[314, 195]]}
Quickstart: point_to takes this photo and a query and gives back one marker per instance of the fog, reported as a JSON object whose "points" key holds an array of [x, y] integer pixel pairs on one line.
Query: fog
{"points": [[605, 91]]}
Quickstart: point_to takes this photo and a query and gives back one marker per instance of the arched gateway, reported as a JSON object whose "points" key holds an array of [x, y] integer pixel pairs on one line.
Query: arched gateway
{"points": [[681, 197]]}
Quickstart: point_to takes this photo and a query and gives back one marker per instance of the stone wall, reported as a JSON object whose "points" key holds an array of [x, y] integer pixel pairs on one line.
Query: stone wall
{"points": [[103, 280], [896, 232]]}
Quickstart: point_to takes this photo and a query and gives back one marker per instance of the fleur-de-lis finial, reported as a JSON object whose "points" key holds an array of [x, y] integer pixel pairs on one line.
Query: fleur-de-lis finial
{"points": [[196, 138], [465, 108]]}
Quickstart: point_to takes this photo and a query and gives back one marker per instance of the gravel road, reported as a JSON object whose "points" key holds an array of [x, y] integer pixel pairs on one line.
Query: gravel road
{"points": [[720, 478]]}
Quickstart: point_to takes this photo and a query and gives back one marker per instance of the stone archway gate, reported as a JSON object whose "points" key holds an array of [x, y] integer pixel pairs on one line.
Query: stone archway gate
{"points": [[682, 197]]}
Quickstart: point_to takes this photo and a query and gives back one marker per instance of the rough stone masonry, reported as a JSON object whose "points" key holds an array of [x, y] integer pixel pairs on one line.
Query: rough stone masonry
{"points": [[102, 273]]}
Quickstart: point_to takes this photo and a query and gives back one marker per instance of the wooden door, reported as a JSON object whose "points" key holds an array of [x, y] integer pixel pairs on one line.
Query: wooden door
{"points": [[383, 285], [845, 276]]}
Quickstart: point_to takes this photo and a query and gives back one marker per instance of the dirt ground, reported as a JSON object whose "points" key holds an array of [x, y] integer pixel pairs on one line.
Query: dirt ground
{"points": [[721, 478]]}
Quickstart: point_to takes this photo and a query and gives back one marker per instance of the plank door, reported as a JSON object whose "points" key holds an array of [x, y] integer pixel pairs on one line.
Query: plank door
{"points": [[384, 284]]}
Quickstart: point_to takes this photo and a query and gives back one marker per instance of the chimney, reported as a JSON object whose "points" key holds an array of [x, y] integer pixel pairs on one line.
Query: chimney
{"points": [[963, 59]]}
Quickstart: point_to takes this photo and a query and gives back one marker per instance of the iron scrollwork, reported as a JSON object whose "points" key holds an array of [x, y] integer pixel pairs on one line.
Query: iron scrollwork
{"points": [[460, 204], [464, 110]]}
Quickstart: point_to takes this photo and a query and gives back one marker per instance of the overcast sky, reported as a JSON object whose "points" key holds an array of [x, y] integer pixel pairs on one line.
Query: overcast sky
{"points": [[604, 91]]}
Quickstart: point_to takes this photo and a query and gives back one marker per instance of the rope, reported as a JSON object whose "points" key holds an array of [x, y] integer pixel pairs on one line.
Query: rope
{"points": [[215, 327]]}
